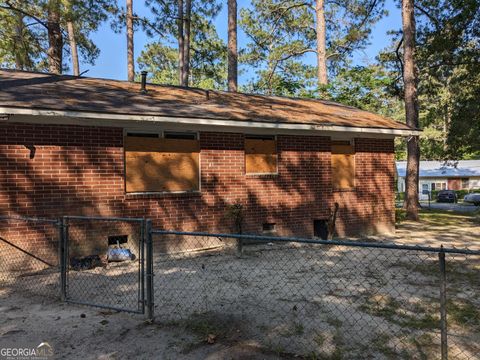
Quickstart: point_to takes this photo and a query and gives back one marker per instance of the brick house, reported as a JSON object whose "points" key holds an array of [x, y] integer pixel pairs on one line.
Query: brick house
{"points": [[442, 175], [85, 146]]}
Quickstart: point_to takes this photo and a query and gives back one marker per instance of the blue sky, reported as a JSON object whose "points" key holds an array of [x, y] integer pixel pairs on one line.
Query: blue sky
{"points": [[112, 63]]}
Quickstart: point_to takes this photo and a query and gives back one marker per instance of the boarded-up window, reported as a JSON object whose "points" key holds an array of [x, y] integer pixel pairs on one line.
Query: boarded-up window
{"points": [[260, 155], [343, 165], [157, 164]]}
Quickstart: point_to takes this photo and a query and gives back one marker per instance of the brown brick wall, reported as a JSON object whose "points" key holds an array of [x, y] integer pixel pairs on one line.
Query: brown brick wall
{"points": [[54, 170]]}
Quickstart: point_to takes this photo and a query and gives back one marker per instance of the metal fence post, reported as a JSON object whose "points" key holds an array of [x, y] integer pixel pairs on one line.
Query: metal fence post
{"points": [[141, 275], [149, 274], [63, 258], [443, 305]]}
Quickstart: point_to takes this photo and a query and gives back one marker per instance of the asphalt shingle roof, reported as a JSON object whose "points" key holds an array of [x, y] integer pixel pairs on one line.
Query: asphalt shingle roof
{"points": [[458, 168], [21, 89]]}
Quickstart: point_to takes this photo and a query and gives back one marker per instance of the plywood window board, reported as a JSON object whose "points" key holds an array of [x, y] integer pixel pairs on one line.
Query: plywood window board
{"points": [[161, 165], [343, 165], [260, 156]]}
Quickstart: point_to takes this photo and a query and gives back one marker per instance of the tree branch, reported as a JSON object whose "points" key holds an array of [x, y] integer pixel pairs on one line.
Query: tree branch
{"points": [[9, 6], [428, 15], [397, 53]]}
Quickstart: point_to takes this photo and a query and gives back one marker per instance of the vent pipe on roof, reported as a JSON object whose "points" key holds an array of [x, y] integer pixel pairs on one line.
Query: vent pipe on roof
{"points": [[143, 86]]}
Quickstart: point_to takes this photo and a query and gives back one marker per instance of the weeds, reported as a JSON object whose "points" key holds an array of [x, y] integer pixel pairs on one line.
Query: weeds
{"points": [[418, 317]]}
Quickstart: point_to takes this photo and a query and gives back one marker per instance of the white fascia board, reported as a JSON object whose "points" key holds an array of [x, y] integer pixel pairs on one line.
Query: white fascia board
{"points": [[218, 123]]}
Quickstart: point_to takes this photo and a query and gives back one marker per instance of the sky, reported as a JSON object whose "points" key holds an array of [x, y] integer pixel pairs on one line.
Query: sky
{"points": [[112, 62]]}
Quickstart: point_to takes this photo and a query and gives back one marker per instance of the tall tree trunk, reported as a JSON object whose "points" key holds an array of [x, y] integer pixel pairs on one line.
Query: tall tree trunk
{"points": [[73, 48], [232, 46], [321, 30], [181, 52], [411, 108], [186, 43], [18, 48], [130, 55], [55, 39]]}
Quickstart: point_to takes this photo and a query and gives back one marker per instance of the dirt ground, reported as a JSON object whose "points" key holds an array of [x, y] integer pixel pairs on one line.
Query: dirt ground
{"points": [[450, 229], [275, 301]]}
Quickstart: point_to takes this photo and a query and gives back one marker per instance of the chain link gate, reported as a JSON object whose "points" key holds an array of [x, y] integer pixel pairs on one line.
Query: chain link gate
{"points": [[90, 277]]}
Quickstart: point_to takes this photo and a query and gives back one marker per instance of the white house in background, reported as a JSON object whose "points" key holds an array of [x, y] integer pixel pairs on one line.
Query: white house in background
{"points": [[441, 175]]}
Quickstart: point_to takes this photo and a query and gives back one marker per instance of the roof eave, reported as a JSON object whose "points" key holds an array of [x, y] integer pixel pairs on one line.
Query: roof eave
{"points": [[207, 122]]}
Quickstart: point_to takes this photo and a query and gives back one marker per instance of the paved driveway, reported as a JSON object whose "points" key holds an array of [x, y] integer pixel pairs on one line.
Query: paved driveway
{"points": [[460, 207]]}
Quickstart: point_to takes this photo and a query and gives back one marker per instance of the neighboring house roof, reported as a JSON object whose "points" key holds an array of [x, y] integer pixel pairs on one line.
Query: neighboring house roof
{"points": [[442, 169], [27, 90]]}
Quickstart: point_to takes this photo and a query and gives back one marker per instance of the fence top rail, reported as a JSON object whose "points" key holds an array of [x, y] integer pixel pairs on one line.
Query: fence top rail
{"points": [[323, 242], [103, 218], [27, 218]]}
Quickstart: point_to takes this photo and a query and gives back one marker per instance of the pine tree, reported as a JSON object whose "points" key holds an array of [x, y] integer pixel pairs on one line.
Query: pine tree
{"points": [[130, 50], [411, 109], [283, 32], [232, 46], [176, 21], [280, 35], [43, 41], [208, 62]]}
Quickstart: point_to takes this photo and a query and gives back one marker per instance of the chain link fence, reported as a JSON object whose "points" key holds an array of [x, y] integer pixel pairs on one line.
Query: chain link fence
{"points": [[463, 305], [29, 256], [319, 298], [289, 296]]}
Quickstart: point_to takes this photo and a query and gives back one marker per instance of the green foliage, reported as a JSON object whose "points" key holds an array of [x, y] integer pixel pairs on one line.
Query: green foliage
{"points": [[19, 45], [87, 16], [23, 30], [367, 88], [282, 35], [161, 62], [349, 24], [208, 62], [208, 67], [448, 59], [400, 216]]}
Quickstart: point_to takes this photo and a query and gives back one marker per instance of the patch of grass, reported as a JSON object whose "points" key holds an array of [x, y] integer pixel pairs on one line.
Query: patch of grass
{"points": [[400, 216], [380, 344], [428, 321], [319, 338], [279, 350], [425, 268], [463, 313], [335, 322], [418, 317], [262, 328], [204, 324], [435, 217], [339, 342], [424, 346], [296, 329], [460, 272], [381, 305]]}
